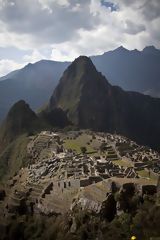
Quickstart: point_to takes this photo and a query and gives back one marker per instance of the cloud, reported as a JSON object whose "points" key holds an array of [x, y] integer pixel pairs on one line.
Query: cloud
{"points": [[78, 27], [34, 57], [7, 65], [47, 21], [132, 28]]}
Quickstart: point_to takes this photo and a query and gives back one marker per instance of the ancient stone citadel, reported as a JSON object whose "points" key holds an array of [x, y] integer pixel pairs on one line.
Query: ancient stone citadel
{"points": [[62, 177]]}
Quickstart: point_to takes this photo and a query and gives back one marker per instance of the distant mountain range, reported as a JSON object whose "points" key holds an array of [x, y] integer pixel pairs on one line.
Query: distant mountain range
{"points": [[34, 83], [85, 99], [90, 101], [132, 70]]}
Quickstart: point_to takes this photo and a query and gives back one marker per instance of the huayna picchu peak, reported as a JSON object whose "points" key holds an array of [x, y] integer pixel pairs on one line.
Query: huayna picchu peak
{"points": [[91, 102]]}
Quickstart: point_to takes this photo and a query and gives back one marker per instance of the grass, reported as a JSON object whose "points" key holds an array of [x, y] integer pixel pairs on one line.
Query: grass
{"points": [[141, 181], [86, 138], [124, 147], [121, 163], [75, 145], [145, 174]]}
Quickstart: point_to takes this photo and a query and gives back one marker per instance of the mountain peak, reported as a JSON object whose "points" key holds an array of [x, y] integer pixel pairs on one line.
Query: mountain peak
{"points": [[151, 50], [121, 49], [80, 76], [19, 120], [82, 58], [83, 62]]}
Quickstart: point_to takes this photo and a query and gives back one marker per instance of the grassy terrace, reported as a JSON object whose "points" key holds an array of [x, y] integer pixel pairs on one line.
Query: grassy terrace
{"points": [[144, 173], [124, 147], [75, 145], [121, 163]]}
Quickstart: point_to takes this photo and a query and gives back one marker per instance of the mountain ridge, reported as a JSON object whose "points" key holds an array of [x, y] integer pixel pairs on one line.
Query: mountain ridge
{"points": [[132, 70], [91, 102]]}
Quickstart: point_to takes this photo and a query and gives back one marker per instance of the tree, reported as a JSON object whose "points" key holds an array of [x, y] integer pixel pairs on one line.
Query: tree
{"points": [[102, 147], [83, 150], [149, 165]]}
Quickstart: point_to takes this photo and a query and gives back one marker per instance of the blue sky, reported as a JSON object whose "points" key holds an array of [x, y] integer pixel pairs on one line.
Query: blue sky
{"points": [[110, 5], [31, 30]]}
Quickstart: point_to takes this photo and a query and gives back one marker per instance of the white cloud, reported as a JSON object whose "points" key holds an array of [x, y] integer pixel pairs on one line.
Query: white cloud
{"points": [[36, 56], [77, 27], [7, 65]]}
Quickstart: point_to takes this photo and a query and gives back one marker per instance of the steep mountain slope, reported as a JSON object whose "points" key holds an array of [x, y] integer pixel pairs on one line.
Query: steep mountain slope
{"points": [[20, 123], [132, 70], [34, 83], [20, 119], [91, 102]]}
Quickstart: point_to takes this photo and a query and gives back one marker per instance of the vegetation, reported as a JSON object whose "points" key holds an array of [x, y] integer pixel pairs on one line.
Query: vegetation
{"points": [[145, 174], [143, 223], [102, 147], [83, 150], [121, 163], [75, 145], [124, 147], [14, 156]]}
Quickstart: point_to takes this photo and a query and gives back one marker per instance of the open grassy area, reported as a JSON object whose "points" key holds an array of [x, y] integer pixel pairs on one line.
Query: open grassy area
{"points": [[84, 139], [144, 173], [121, 163], [124, 147], [75, 145]]}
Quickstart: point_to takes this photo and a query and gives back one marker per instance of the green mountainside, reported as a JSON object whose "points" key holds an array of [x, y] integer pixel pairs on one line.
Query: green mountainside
{"points": [[14, 156], [91, 102], [20, 122], [15, 131], [20, 119]]}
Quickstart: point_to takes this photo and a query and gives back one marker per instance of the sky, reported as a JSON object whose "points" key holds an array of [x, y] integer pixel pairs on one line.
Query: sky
{"points": [[61, 30]]}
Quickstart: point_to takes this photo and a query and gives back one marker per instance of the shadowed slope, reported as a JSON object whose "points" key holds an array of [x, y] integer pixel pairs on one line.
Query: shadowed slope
{"points": [[91, 102]]}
